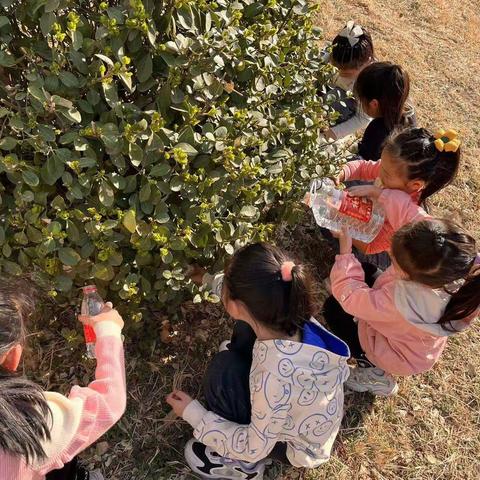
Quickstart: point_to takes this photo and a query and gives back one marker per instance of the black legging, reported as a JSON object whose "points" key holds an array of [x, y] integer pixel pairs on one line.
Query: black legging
{"points": [[341, 323], [226, 383]]}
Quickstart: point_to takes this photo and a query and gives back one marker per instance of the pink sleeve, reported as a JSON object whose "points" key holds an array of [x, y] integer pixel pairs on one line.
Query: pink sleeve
{"points": [[355, 296], [88, 412], [400, 209], [362, 170]]}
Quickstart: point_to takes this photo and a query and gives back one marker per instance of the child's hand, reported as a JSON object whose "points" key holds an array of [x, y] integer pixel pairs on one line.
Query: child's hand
{"points": [[340, 178], [345, 241], [179, 401], [108, 313], [196, 273], [365, 191]]}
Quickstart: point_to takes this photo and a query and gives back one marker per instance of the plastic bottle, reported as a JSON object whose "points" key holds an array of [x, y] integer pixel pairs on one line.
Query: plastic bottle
{"points": [[334, 209], [92, 304]]}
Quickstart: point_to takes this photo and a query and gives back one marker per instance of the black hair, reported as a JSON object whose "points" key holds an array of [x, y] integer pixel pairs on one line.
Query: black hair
{"points": [[24, 412], [390, 85], [437, 252], [416, 148], [345, 56], [254, 277]]}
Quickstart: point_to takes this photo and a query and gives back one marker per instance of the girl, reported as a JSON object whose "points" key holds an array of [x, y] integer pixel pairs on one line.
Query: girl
{"points": [[415, 164], [277, 391], [398, 322], [352, 50], [382, 89], [45, 429]]}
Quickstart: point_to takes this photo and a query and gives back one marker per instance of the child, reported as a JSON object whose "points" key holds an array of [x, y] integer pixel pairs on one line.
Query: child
{"points": [[398, 322], [277, 391], [352, 50], [415, 164], [382, 89], [45, 429]]}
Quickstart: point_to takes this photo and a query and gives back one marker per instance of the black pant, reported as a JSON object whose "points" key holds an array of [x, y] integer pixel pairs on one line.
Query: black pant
{"points": [[70, 471], [226, 383], [341, 323]]}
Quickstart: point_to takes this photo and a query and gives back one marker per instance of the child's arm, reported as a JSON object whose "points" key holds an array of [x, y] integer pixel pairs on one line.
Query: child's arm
{"points": [[250, 443], [367, 170], [359, 121], [88, 412], [355, 296]]}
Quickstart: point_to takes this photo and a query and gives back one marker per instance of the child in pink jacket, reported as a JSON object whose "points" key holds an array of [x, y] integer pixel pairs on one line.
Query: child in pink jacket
{"points": [[414, 165], [46, 429], [398, 322]]}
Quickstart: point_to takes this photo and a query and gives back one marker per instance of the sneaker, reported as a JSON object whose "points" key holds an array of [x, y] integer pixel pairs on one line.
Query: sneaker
{"points": [[373, 380], [209, 464], [96, 475], [224, 346]]}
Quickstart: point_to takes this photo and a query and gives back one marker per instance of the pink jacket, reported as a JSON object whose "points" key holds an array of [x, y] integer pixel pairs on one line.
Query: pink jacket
{"points": [[396, 318], [400, 207], [86, 414]]}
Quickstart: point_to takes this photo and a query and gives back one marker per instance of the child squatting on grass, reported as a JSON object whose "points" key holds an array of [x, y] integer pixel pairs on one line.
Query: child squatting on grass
{"points": [[351, 51], [41, 433], [277, 390], [414, 165], [398, 322]]}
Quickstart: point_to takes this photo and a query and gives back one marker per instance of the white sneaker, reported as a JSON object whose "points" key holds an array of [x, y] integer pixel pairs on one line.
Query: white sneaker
{"points": [[224, 346], [96, 475], [209, 464], [373, 380]]}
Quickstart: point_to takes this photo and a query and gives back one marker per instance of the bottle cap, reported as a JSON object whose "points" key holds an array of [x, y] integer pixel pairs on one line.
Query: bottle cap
{"points": [[89, 289]]}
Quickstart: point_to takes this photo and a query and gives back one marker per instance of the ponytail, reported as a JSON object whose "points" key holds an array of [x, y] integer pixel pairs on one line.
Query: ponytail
{"points": [[464, 302], [275, 290], [416, 148], [389, 84]]}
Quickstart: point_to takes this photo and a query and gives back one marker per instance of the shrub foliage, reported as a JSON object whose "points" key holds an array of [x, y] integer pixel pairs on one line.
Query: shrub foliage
{"points": [[139, 136]]}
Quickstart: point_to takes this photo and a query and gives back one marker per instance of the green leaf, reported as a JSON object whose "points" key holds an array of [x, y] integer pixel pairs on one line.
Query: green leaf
{"points": [[68, 256], [145, 193], [73, 115], [253, 9], [51, 5], [136, 154], [52, 169], [63, 283], [106, 194], [8, 143], [129, 221], [160, 170], [4, 21], [105, 59], [47, 133], [2, 235], [30, 178], [103, 272], [46, 21], [6, 60], [111, 94], [188, 149], [68, 79], [127, 80], [144, 68], [249, 211]]}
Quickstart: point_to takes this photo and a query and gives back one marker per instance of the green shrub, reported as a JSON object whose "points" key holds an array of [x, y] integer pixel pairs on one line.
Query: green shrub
{"points": [[138, 137]]}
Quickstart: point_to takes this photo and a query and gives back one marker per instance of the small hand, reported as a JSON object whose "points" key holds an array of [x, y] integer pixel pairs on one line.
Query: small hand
{"points": [[345, 241], [196, 273], [107, 313], [179, 400], [340, 178], [365, 191]]}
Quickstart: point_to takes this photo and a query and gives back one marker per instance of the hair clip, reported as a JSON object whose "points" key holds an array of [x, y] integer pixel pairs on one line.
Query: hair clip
{"points": [[286, 271], [447, 140], [352, 32]]}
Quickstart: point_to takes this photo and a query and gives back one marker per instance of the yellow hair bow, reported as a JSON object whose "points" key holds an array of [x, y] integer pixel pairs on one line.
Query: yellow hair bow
{"points": [[447, 140]]}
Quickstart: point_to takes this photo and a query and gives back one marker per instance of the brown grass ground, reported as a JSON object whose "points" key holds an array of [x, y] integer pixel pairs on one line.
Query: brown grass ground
{"points": [[431, 430]]}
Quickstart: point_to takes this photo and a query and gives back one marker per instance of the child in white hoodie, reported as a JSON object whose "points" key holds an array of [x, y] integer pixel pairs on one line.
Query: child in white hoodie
{"points": [[277, 390]]}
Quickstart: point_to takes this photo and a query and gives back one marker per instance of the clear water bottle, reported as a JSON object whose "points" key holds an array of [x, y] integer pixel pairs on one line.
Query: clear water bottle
{"points": [[334, 209], [92, 304]]}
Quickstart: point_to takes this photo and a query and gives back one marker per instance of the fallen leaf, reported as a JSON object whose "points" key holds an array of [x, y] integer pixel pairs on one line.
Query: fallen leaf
{"points": [[102, 448]]}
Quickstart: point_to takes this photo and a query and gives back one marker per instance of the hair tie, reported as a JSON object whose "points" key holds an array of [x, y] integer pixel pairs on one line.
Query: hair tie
{"points": [[352, 33], [286, 271], [447, 140]]}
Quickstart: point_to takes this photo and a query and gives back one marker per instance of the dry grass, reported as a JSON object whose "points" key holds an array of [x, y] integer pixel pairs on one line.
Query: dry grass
{"points": [[431, 429]]}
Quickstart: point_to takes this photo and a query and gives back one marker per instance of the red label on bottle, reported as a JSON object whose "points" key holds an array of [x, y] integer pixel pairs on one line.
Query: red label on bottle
{"points": [[357, 207], [89, 334]]}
